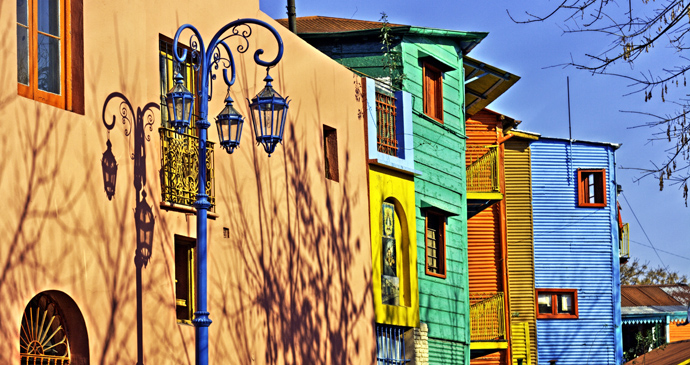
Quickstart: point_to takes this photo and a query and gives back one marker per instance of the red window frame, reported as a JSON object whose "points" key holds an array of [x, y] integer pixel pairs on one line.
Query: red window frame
{"points": [[433, 92], [598, 184], [439, 221], [555, 295]]}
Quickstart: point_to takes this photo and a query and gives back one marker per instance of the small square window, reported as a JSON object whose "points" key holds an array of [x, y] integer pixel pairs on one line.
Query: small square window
{"points": [[435, 238], [185, 302], [591, 188], [330, 153], [557, 303], [433, 92]]}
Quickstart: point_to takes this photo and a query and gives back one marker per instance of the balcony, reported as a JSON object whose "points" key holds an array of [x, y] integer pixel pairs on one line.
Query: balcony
{"points": [[483, 178], [179, 171], [487, 324], [386, 139], [624, 244]]}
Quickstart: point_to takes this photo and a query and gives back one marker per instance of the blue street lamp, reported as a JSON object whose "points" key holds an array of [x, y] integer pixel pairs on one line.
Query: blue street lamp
{"points": [[269, 110]]}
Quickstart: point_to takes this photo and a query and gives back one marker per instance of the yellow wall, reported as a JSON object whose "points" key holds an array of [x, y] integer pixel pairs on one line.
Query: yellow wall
{"points": [[291, 283], [398, 189], [518, 198]]}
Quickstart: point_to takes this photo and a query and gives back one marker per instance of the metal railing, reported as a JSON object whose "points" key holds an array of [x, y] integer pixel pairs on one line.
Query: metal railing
{"points": [[386, 139], [390, 345], [487, 316], [31, 359], [483, 169], [625, 241], [179, 168]]}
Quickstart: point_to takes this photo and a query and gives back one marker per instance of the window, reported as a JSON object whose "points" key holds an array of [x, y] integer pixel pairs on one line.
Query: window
{"points": [[390, 345], [330, 153], [50, 52], [168, 69], [557, 303], [591, 188], [435, 236], [386, 139], [185, 302], [433, 92]]}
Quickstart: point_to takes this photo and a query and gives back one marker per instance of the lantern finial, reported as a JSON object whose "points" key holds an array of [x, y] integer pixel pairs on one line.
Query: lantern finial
{"points": [[229, 123], [268, 112], [180, 103]]}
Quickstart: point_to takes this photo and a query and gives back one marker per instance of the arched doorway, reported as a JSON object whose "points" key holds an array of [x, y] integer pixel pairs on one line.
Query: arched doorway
{"points": [[53, 331]]}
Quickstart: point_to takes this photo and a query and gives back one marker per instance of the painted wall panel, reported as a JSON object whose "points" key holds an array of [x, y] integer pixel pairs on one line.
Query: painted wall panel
{"points": [[396, 188], [575, 247], [518, 198], [439, 155]]}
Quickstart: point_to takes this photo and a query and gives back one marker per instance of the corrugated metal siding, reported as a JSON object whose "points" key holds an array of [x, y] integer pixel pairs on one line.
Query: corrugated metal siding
{"points": [[574, 248], [447, 352], [521, 343], [483, 251], [518, 198], [483, 230], [679, 333]]}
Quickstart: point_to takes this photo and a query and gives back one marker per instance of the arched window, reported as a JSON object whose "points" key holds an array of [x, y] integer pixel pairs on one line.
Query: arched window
{"points": [[43, 337]]}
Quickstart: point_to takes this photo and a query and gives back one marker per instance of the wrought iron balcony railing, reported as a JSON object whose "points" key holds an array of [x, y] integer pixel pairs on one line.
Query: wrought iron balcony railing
{"points": [[386, 139], [483, 170], [179, 168], [487, 317], [625, 241]]}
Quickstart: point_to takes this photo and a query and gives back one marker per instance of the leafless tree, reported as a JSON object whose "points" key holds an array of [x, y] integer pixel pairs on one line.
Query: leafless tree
{"points": [[638, 31]]}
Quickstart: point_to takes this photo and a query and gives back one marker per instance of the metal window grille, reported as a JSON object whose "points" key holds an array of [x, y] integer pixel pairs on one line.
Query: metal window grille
{"points": [[386, 139], [179, 168], [390, 345]]}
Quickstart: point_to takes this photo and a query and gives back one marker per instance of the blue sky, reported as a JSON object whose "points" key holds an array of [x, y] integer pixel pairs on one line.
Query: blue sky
{"points": [[539, 99]]}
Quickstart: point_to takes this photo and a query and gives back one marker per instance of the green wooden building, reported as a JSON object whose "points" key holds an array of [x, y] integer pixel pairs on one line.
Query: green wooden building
{"points": [[428, 64]]}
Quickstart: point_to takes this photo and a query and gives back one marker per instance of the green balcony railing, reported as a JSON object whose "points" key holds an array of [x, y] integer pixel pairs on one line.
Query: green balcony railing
{"points": [[487, 317], [179, 168], [483, 170]]}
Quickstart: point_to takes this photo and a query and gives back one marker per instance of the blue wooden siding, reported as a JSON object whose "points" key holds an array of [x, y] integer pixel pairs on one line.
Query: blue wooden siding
{"points": [[576, 248]]}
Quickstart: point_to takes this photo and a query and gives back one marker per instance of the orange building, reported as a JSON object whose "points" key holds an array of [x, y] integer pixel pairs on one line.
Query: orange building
{"points": [[98, 229]]}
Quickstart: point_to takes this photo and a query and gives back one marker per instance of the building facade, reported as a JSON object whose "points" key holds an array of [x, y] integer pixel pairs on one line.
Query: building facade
{"points": [[99, 240], [576, 259]]}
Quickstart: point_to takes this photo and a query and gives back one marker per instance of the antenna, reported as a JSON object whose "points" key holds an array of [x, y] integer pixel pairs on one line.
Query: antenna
{"points": [[570, 126]]}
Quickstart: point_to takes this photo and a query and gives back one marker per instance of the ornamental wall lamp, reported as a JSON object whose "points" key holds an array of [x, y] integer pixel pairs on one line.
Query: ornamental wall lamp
{"points": [[268, 114]]}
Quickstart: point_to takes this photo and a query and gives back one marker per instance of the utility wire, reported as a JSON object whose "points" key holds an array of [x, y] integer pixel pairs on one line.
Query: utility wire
{"points": [[660, 250], [643, 231]]}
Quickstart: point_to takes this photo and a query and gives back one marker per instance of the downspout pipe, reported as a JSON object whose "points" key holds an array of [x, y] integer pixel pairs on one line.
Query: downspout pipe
{"points": [[292, 16]]}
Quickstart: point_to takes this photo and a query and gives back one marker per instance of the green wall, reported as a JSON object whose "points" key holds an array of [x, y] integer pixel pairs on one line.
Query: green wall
{"points": [[440, 156]]}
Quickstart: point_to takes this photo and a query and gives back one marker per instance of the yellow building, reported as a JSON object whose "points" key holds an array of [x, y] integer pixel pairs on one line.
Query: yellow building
{"points": [[98, 237], [392, 219]]}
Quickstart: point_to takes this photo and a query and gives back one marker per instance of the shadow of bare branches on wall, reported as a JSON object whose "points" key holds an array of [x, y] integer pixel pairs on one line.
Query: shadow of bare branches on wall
{"points": [[293, 293]]}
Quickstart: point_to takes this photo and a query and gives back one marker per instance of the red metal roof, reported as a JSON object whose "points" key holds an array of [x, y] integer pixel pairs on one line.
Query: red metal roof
{"points": [[648, 295], [673, 353], [325, 24]]}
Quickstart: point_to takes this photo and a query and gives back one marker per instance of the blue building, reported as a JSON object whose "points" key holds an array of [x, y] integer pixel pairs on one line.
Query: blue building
{"points": [[576, 252]]}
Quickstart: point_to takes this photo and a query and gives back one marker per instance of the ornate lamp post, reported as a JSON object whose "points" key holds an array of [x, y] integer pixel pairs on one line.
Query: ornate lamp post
{"points": [[268, 108]]}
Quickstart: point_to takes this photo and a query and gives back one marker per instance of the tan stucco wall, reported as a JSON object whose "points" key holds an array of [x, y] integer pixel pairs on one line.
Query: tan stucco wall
{"points": [[292, 283]]}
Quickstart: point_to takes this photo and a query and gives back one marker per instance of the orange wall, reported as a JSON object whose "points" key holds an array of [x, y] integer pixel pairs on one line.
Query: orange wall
{"points": [[679, 333], [292, 283]]}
